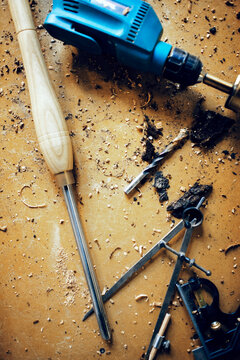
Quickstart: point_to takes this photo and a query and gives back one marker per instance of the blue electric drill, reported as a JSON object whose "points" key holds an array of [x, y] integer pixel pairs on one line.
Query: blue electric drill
{"points": [[131, 31]]}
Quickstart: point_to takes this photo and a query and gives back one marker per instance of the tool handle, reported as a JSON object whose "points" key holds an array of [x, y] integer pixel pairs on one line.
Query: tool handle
{"points": [[50, 125], [164, 324], [160, 334]]}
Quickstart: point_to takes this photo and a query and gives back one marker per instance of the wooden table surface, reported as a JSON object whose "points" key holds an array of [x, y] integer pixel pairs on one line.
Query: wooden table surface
{"points": [[43, 290]]}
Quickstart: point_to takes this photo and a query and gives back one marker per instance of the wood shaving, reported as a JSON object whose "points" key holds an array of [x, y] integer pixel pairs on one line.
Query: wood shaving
{"points": [[157, 230], [231, 247], [183, 134], [29, 205], [141, 296], [111, 255], [97, 242], [105, 289], [149, 98], [3, 228]]}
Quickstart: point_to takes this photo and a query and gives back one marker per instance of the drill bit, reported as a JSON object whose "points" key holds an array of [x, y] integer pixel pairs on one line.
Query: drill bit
{"points": [[233, 90], [170, 147]]}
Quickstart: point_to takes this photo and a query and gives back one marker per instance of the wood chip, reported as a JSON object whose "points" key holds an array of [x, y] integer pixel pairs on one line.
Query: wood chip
{"points": [[156, 303]]}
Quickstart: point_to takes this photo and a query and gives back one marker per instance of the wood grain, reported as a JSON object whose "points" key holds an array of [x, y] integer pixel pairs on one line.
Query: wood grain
{"points": [[48, 117]]}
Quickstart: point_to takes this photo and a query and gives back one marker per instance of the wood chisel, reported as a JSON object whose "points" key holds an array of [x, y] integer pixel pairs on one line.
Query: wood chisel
{"points": [[54, 140]]}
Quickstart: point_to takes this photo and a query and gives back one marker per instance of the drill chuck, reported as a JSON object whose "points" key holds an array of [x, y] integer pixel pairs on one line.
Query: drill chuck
{"points": [[182, 67]]}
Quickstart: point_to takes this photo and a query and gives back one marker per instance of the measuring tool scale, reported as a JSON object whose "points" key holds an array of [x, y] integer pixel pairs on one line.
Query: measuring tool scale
{"points": [[218, 332], [131, 31]]}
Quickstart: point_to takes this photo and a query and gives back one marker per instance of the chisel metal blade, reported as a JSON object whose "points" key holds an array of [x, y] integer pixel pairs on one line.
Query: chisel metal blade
{"points": [[86, 263]]}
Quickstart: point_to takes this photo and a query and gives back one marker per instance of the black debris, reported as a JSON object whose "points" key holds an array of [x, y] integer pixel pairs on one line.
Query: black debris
{"points": [[161, 184], [150, 133], [209, 127], [19, 66], [149, 153], [151, 130], [190, 198], [213, 30], [229, 3]]}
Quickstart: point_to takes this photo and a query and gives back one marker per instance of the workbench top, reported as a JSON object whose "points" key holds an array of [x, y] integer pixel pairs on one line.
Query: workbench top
{"points": [[43, 289]]}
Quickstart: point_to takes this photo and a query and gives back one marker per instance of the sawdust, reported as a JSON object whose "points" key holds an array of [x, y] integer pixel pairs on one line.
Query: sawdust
{"points": [[68, 278]]}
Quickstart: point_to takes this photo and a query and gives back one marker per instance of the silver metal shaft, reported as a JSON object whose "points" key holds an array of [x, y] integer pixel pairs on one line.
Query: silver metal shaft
{"points": [[94, 290], [217, 83], [233, 90]]}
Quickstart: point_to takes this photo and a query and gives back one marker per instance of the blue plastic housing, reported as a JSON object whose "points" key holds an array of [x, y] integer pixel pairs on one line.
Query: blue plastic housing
{"points": [[128, 29]]}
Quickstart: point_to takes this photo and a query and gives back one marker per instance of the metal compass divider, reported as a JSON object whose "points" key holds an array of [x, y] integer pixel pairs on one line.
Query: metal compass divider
{"points": [[192, 217], [154, 250]]}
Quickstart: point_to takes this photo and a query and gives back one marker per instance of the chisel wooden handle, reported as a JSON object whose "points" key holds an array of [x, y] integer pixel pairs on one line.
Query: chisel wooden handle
{"points": [[50, 125]]}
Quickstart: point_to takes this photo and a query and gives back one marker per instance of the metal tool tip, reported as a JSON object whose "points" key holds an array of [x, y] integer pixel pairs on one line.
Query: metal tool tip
{"points": [[128, 189], [135, 182]]}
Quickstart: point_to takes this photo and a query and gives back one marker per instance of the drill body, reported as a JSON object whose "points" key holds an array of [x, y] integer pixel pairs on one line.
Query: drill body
{"points": [[127, 29]]}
